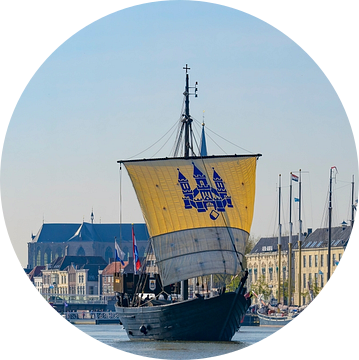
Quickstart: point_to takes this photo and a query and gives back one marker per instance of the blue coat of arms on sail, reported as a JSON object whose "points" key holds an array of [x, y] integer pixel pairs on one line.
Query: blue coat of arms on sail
{"points": [[205, 197]]}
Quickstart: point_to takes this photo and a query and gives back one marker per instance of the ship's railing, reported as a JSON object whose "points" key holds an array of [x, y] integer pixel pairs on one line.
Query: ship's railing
{"points": [[101, 315]]}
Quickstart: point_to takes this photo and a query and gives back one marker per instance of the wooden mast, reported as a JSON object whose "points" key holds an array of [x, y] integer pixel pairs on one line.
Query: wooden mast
{"points": [[188, 144]]}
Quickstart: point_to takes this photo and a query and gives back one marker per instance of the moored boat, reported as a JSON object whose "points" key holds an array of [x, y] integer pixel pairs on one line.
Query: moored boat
{"points": [[278, 315]]}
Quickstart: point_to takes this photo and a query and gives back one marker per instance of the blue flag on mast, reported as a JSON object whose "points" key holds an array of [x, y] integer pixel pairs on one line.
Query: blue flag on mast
{"points": [[120, 255]]}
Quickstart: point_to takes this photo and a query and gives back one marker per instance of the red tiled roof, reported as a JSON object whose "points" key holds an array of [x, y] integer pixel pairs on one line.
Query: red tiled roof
{"points": [[113, 267], [35, 271]]}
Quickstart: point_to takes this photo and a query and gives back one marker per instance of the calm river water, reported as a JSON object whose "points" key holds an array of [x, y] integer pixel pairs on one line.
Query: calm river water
{"points": [[115, 336]]}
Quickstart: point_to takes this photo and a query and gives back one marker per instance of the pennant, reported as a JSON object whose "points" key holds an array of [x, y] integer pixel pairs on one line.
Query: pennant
{"points": [[295, 178]]}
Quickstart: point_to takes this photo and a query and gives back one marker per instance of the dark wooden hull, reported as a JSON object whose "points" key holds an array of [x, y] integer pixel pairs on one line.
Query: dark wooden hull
{"points": [[212, 319]]}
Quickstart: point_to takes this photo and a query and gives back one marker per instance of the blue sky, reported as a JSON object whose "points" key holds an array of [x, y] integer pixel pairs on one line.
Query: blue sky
{"points": [[115, 87]]}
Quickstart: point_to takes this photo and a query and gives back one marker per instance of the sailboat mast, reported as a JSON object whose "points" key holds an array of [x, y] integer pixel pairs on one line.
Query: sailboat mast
{"points": [[300, 241], [290, 243], [187, 121], [330, 220], [353, 207], [188, 144], [279, 238], [187, 118]]}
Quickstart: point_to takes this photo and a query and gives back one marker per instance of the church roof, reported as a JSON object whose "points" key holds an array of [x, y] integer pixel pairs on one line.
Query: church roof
{"points": [[86, 232], [55, 232], [83, 262], [60, 233]]}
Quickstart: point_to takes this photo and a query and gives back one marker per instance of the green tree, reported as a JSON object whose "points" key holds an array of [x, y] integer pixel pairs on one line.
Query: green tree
{"points": [[251, 242], [260, 287], [284, 286]]}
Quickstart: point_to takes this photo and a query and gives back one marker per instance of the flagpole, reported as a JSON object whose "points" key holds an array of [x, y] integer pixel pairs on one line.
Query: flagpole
{"points": [[115, 257], [133, 251]]}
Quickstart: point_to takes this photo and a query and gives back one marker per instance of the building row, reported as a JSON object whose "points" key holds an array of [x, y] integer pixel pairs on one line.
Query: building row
{"points": [[77, 259], [309, 265], [78, 276]]}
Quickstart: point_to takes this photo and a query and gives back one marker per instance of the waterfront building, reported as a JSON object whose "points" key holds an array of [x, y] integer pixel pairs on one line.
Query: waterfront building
{"points": [[86, 239], [262, 263], [108, 277], [314, 264], [35, 276], [73, 275]]}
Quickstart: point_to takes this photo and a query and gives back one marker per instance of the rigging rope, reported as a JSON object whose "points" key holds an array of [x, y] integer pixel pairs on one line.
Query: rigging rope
{"points": [[155, 142], [207, 128]]}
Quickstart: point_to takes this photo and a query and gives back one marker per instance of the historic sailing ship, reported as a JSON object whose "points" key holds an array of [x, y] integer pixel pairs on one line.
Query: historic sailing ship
{"points": [[198, 210]]}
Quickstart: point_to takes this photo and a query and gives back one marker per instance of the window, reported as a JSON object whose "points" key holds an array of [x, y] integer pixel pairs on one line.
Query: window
{"points": [[334, 260], [270, 273], [308, 244], [314, 242], [316, 260], [321, 280], [304, 261], [310, 260], [322, 260], [304, 281], [264, 248]]}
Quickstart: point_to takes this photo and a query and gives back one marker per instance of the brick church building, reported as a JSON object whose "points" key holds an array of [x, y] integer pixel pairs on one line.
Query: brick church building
{"points": [[86, 239]]}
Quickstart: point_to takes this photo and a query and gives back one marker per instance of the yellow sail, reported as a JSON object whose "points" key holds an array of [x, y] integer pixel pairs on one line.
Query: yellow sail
{"points": [[198, 211]]}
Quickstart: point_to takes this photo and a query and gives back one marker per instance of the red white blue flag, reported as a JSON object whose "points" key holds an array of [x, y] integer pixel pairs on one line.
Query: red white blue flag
{"points": [[294, 177], [136, 258]]}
